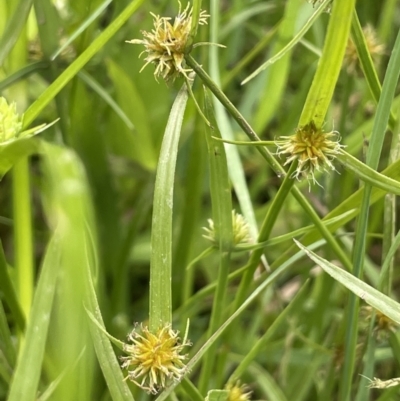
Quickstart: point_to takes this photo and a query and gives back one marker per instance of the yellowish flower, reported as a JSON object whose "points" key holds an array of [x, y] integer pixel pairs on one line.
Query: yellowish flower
{"points": [[383, 325], [154, 358], [238, 392], [241, 232], [165, 45], [313, 149], [375, 48], [11, 124], [10, 121]]}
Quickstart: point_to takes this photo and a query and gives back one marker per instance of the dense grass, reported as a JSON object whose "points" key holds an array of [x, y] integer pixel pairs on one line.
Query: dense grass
{"points": [[103, 213]]}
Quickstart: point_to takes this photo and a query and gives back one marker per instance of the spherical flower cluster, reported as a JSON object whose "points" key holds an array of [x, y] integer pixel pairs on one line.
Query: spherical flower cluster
{"points": [[383, 325], [165, 45], [154, 358], [10, 121], [241, 232], [375, 48], [238, 392], [313, 149]]}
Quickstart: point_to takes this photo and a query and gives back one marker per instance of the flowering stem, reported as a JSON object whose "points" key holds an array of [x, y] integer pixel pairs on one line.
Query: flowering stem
{"points": [[274, 164], [234, 112]]}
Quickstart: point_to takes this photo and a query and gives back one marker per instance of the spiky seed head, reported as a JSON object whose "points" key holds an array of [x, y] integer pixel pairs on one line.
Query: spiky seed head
{"points": [[383, 325], [381, 384], [313, 149], [10, 121], [241, 231], [374, 46], [154, 359], [238, 392], [165, 45]]}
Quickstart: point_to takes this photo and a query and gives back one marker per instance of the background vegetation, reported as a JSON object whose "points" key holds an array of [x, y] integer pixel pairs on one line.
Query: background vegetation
{"points": [[76, 202]]}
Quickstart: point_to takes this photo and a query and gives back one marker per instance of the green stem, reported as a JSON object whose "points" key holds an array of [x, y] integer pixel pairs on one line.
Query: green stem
{"points": [[260, 345], [367, 64], [23, 234], [264, 234], [233, 111]]}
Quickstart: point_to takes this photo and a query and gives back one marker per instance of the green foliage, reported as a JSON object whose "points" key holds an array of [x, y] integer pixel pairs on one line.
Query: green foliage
{"points": [[102, 209]]}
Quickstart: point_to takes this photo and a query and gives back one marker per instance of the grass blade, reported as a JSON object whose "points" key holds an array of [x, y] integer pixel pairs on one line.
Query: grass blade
{"points": [[370, 295], [48, 95], [27, 373]]}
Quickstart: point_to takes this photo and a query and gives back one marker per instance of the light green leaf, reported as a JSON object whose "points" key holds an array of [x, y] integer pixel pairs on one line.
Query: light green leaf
{"points": [[161, 232], [70, 207], [370, 295], [369, 175], [27, 373]]}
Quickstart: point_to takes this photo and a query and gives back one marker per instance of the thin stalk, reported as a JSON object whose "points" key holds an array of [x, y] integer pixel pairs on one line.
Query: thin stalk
{"points": [[265, 232], [367, 65], [390, 219], [23, 234], [191, 390], [247, 58], [268, 335], [222, 217], [233, 111]]}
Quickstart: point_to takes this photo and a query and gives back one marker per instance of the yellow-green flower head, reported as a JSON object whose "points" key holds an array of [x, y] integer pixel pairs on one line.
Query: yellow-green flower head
{"points": [[10, 121], [313, 149], [165, 44], [238, 392], [241, 232], [154, 358], [374, 46], [383, 325]]}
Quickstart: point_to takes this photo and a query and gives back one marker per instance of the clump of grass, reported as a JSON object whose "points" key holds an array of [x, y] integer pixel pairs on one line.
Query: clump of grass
{"points": [[102, 214]]}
